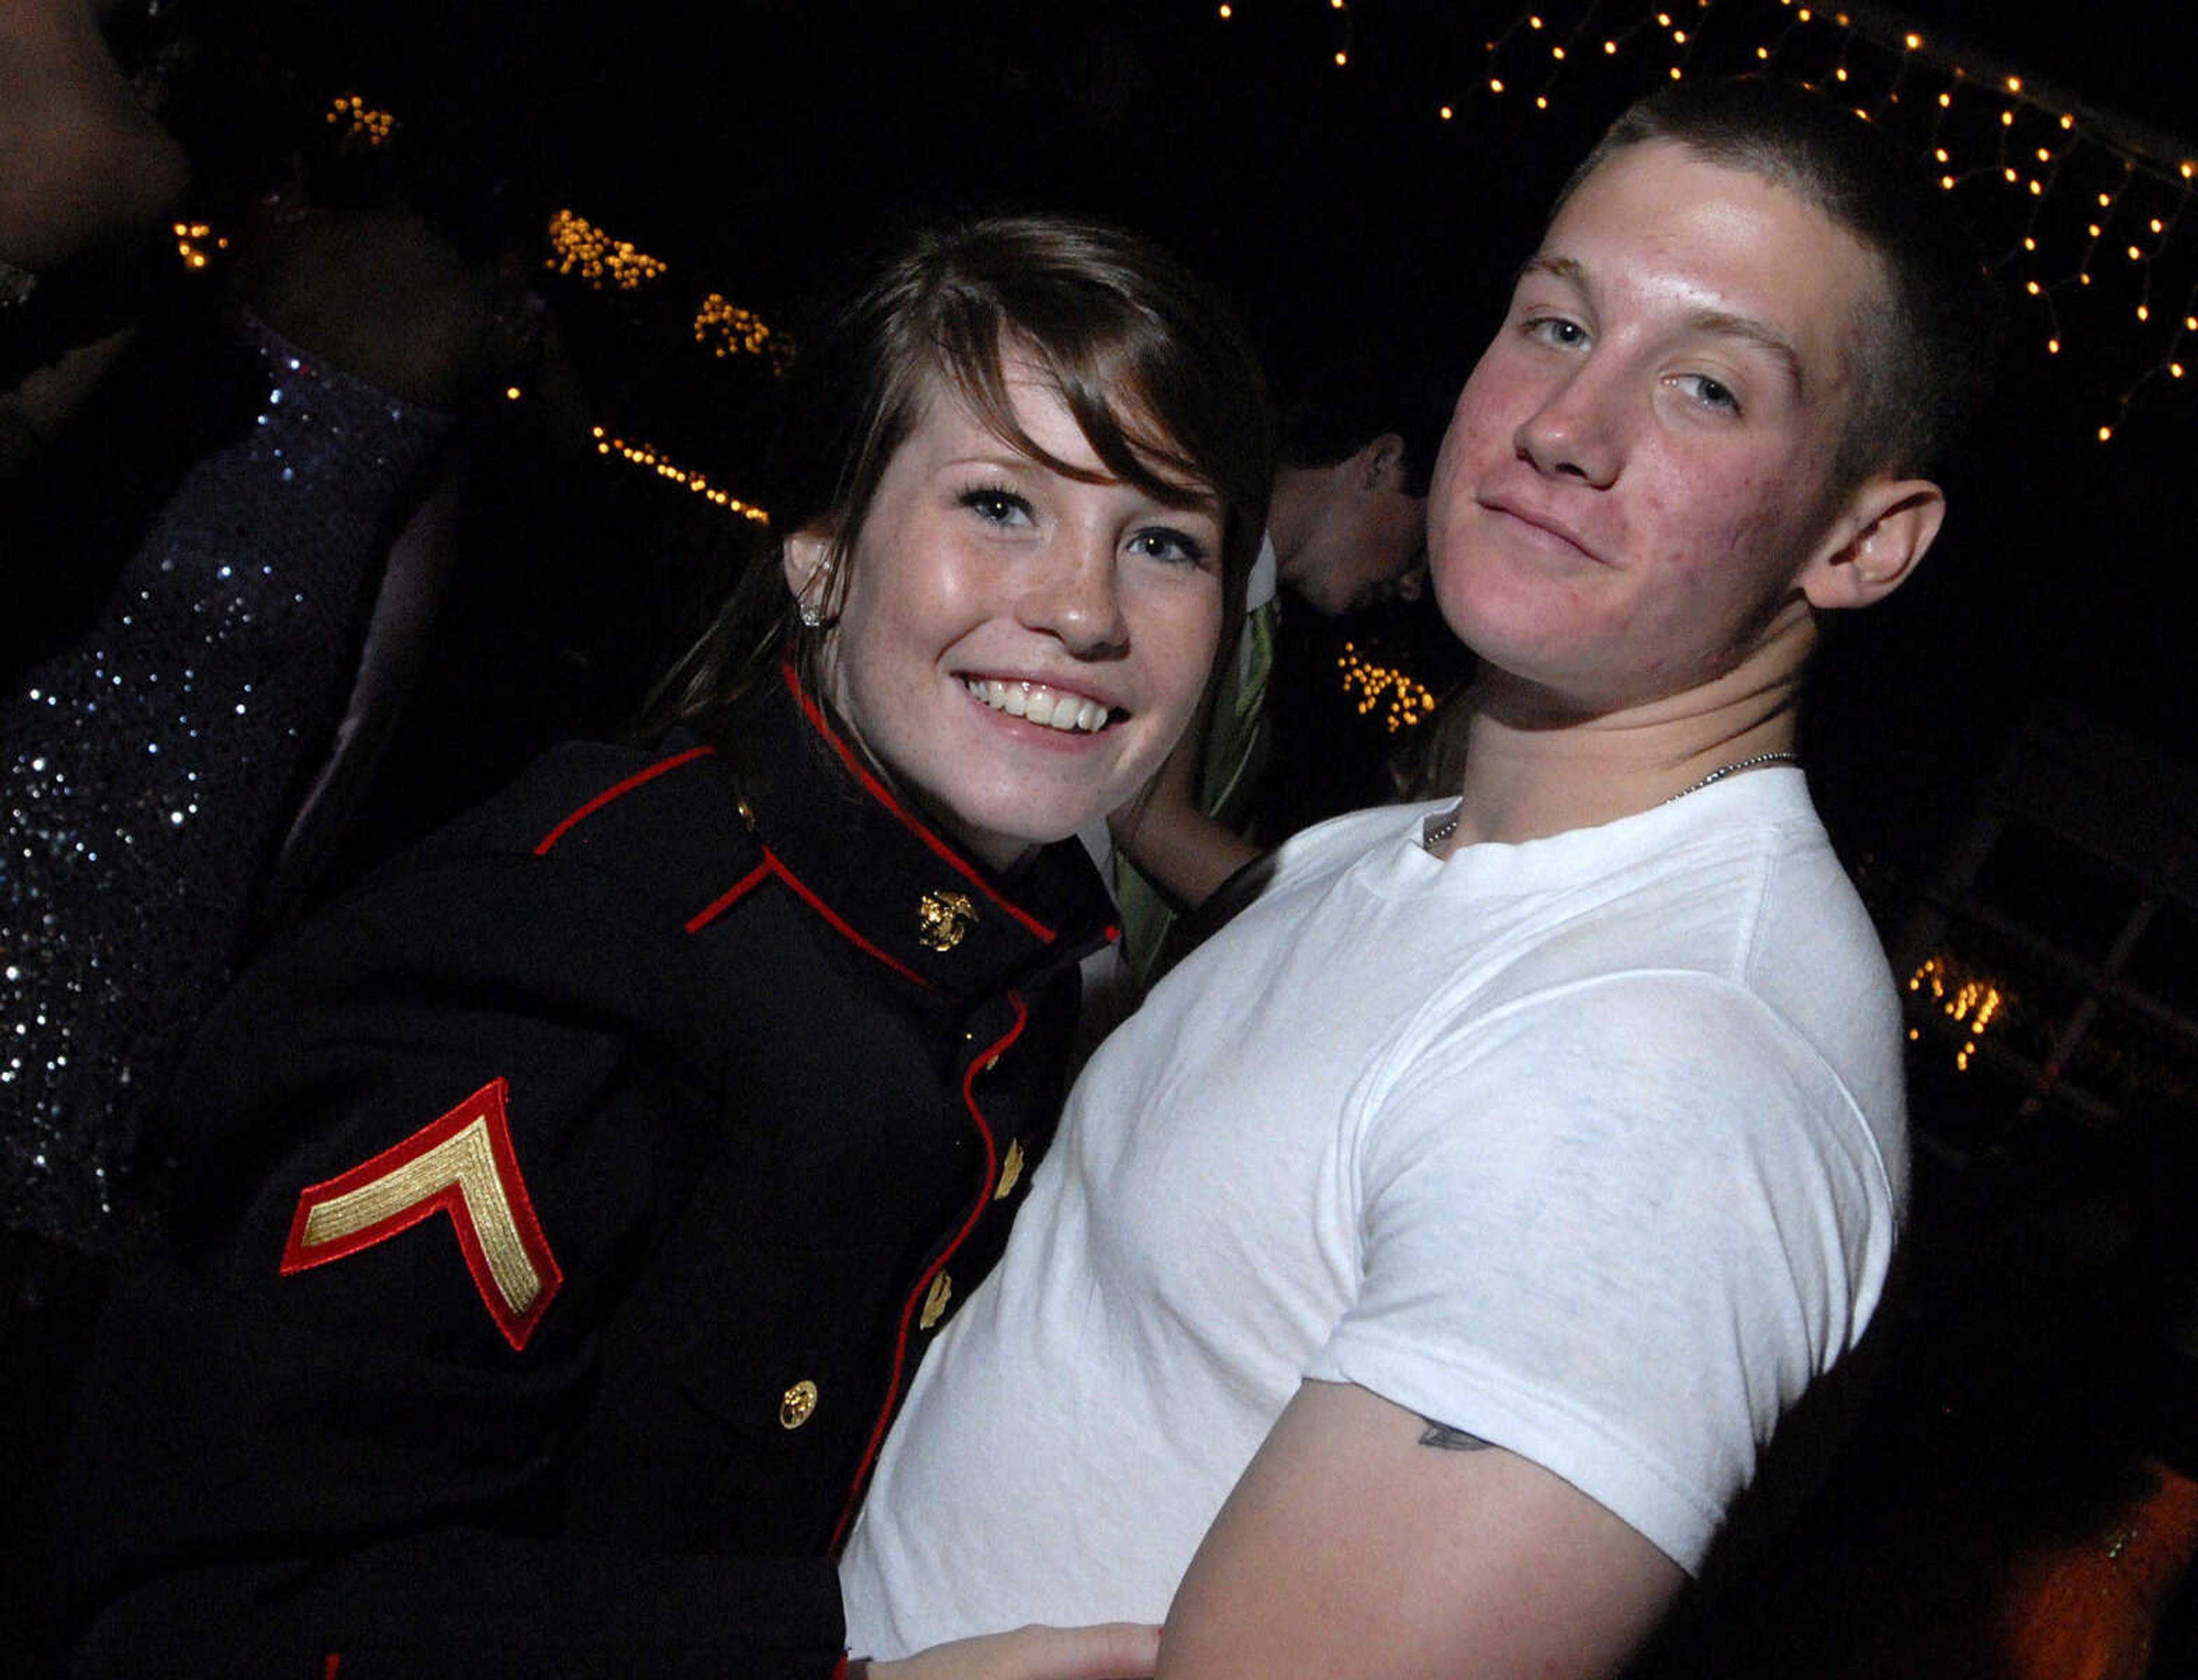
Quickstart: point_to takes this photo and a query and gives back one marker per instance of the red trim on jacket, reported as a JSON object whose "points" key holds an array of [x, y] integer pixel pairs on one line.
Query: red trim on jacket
{"points": [[731, 896], [878, 791], [923, 1288], [618, 790], [774, 866]]}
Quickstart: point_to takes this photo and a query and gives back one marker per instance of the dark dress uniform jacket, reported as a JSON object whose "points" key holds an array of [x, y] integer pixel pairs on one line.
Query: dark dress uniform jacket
{"points": [[573, 1206]]}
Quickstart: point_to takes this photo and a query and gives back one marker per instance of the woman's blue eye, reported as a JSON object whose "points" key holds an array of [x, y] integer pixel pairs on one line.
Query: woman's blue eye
{"points": [[995, 506], [1161, 543]]}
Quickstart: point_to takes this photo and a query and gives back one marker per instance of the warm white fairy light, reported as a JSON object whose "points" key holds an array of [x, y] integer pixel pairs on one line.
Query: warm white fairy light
{"points": [[1972, 1003], [198, 244], [584, 251], [358, 124], [726, 329], [1405, 701], [648, 456]]}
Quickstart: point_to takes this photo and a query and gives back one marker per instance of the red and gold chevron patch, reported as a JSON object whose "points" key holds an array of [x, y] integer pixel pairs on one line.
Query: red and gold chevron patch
{"points": [[462, 1165]]}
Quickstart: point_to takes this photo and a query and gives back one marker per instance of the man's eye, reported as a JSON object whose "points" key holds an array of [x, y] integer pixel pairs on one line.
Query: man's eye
{"points": [[1709, 392], [1556, 329]]}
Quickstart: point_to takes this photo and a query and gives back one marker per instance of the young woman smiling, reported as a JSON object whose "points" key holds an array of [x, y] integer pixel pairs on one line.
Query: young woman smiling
{"points": [[569, 1208]]}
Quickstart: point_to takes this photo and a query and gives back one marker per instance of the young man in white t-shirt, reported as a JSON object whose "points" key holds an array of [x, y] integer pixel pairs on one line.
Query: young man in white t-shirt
{"points": [[1418, 1276]]}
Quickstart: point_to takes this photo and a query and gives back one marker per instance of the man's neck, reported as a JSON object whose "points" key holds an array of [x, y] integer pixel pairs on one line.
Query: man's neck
{"points": [[1531, 771]]}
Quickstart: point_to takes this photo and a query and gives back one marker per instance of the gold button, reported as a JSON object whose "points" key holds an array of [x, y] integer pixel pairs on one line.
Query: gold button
{"points": [[797, 1405], [934, 1304], [747, 813], [942, 918], [1010, 1169]]}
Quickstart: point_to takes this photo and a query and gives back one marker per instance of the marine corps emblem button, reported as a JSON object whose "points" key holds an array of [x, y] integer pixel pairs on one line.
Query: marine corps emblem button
{"points": [[942, 918], [796, 1405]]}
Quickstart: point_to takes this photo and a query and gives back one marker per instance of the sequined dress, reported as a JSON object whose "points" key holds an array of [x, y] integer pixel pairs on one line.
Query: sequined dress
{"points": [[148, 772]]}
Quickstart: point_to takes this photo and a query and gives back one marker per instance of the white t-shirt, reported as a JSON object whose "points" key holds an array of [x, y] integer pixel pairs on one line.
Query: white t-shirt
{"points": [[1591, 1147]]}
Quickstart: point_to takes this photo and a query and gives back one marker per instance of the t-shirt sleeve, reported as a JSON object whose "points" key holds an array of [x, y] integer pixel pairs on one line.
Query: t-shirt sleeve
{"points": [[1616, 1230]]}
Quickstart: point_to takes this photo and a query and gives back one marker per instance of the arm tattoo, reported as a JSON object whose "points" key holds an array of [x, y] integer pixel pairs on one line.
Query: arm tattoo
{"points": [[1442, 1436]]}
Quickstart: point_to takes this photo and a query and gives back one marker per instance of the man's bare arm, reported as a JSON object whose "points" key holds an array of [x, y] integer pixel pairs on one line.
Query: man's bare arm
{"points": [[1179, 848], [1355, 1545]]}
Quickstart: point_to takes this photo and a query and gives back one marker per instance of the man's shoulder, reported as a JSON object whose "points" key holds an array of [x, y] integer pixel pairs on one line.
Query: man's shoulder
{"points": [[1328, 847], [1724, 945], [1736, 881]]}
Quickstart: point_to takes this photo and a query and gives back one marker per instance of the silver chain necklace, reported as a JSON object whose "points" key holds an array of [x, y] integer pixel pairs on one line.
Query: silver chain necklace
{"points": [[1442, 831], [1734, 768]]}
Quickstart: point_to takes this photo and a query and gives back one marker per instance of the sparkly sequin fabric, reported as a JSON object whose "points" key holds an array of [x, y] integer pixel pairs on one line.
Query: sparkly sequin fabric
{"points": [[147, 771]]}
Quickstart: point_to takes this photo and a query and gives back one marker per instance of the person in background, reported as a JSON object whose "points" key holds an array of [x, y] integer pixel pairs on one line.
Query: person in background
{"points": [[1422, 1270], [212, 483], [569, 1206], [92, 179], [1346, 529]]}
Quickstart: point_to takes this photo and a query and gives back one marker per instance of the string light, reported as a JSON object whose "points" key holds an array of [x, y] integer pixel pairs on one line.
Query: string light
{"points": [[357, 125], [645, 456], [580, 248], [583, 251], [197, 243], [1971, 1002], [1405, 701], [727, 329]]}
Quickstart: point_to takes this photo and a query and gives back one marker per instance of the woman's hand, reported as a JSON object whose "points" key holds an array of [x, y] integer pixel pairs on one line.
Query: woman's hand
{"points": [[1108, 1650]]}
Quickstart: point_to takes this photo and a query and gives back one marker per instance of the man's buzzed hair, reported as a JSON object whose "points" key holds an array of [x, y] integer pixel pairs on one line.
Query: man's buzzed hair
{"points": [[1926, 348]]}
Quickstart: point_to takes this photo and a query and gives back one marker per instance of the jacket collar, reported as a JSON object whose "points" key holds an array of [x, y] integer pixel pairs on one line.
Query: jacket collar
{"points": [[888, 878]]}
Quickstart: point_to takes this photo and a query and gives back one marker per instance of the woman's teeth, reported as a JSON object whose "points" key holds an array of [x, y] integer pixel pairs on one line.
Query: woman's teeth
{"points": [[1038, 705]]}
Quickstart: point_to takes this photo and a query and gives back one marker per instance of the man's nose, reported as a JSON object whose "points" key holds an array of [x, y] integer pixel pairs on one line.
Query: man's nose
{"points": [[1574, 432]]}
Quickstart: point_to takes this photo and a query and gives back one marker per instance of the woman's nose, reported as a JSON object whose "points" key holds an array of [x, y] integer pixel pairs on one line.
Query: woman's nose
{"points": [[1076, 596]]}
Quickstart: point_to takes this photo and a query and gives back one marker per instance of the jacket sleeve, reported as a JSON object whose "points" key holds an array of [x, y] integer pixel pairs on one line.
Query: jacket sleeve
{"points": [[425, 1148]]}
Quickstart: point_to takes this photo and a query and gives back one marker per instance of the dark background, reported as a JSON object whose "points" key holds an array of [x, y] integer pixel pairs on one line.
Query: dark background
{"points": [[754, 146]]}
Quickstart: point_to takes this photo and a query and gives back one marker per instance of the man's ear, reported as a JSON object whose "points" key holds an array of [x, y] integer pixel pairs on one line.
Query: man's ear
{"points": [[1886, 528], [1381, 462]]}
